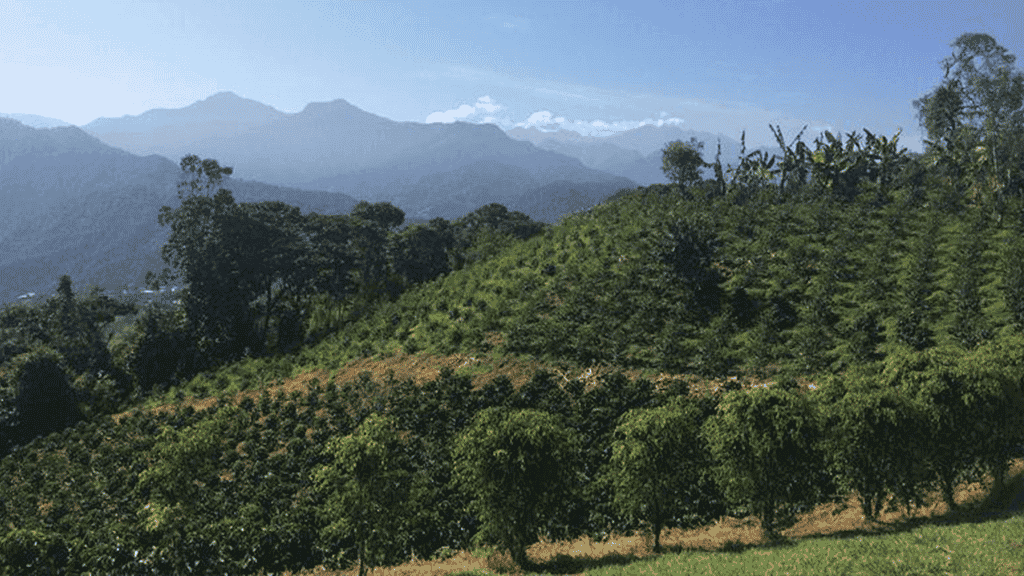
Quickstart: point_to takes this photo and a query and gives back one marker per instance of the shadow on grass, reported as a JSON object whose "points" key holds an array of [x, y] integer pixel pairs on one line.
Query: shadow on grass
{"points": [[566, 564], [994, 505]]}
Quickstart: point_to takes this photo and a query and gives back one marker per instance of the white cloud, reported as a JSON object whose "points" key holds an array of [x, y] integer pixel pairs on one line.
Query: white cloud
{"points": [[545, 120], [484, 104], [660, 121], [541, 119]]}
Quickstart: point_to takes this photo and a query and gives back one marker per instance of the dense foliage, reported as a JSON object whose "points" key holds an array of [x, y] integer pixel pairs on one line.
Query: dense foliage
{"points": [[890, 281], [516, 467]]}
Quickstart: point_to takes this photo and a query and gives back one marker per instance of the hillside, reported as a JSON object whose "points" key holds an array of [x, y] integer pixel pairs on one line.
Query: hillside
{"points": [[765, 346]]}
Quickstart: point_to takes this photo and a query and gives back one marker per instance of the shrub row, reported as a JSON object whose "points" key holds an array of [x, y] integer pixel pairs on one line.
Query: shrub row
{"points": [[282, 483]]}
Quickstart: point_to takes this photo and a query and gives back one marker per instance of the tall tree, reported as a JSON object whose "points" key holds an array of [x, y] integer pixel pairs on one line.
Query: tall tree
{"points": [[681, 162], [372, 226], [978, 105], [196, 252], [248, 265], [421, 251]]}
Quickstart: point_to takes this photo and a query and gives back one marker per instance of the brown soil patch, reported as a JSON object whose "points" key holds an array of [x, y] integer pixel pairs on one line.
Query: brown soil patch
{"points": [[423, 368]]}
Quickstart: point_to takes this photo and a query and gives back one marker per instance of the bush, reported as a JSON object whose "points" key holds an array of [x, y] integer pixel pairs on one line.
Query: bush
{"points": [[44, 400], [369, 484], [763, 443], [656, 463], [873, 441], [518, 467], [33, 552]]}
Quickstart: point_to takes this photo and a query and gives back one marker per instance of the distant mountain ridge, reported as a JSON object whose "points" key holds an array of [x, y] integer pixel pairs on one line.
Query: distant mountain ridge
{"points": [[428, 170], [74, 205], [36, 121], [633, 154]]}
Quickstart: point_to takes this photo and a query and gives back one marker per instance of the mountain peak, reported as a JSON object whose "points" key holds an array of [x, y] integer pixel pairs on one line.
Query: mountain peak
{"points": [[222, 107], [224, 95], [337, 105], [228, 105], [36, 121]]}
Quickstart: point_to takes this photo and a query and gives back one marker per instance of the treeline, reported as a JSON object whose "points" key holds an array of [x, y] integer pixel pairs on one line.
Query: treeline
{"points": [[376, 472], [254, 272], [255, 276]]}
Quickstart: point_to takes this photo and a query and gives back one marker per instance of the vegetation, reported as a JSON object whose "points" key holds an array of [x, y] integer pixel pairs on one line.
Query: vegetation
{"points": [[656, 464], [845, 319], [517, 468]]}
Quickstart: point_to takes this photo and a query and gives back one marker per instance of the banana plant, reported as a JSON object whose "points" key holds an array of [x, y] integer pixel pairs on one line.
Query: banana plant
{"points": [[885, 158], [795, 164]]}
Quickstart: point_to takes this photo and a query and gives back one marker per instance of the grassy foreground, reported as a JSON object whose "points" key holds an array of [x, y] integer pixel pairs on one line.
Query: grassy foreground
{"points": [[987, 548], [992, 547]]}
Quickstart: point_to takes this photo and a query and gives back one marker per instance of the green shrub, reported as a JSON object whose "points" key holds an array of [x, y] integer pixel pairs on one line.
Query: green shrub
{"points": [[656, 463], [518, 467], [763, 444], [369, 482]]}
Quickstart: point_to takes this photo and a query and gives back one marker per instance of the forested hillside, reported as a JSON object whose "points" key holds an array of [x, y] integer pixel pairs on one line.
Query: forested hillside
{"points": [[843, 321]]}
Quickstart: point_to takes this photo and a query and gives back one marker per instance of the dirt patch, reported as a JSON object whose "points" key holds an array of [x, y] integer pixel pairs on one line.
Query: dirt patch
{"points": [[424, 368], [483, 369]]}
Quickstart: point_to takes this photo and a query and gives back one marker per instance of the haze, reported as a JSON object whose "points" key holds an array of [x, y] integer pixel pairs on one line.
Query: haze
{"points": [[597, 68]]}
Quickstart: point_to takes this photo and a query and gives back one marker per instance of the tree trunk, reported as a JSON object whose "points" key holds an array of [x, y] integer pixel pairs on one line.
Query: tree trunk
{"points": [[657, 522], [947, 485]]}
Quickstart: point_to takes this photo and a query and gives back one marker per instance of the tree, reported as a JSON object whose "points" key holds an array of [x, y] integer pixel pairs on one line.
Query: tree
{"points": [[971, 402], [916, 312], [969, 325], [197, 252], [656, 463], [487, 230], [372, 227], [995, 401], [248, 265], [369, 481], [159, 349], [763, 444], [182, 479], [979, 105], [383, 214], [332, 256], [518, 467], [421, 252], [44, 401], [874, 440], [681, 162], [272, 256]]}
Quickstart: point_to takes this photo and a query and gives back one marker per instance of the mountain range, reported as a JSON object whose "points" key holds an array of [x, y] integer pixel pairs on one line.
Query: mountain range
{"points": [[428, 170], [36, 121], [633, 154], [74, 205], [84, 201]]}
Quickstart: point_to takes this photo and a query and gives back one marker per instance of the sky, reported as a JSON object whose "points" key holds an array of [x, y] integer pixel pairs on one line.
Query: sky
{"points": [[594, 67]]}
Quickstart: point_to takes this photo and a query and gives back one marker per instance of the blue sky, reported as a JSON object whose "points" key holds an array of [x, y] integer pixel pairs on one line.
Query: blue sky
{"points": [[596, 67]]}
